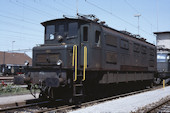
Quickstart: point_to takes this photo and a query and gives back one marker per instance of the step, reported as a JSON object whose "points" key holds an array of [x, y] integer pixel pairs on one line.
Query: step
{"points": [[78, 85], [78, 95]]}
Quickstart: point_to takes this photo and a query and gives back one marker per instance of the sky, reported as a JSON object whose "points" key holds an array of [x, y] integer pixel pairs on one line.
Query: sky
{"points": [[20, 28]]}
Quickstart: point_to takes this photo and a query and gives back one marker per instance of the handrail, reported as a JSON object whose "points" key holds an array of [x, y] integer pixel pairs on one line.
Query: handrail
{"points": [[74, 61], [85, 63], [73, 55]]}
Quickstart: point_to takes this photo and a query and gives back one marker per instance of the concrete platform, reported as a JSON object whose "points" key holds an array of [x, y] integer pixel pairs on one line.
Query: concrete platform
{"points": [[15, 99], [127, 104]]}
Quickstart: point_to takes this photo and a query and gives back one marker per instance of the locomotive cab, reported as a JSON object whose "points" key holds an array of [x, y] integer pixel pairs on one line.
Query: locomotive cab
{"points": [[52, 61], [60, 37]]}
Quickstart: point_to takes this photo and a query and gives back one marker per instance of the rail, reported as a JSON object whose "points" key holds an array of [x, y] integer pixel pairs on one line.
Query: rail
{"points": [[60, 108], [153, 108], [94, 102], [35, 102]]}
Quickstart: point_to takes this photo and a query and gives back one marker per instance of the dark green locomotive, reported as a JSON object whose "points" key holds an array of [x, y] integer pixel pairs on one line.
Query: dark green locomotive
{"points": [[79, 55]]}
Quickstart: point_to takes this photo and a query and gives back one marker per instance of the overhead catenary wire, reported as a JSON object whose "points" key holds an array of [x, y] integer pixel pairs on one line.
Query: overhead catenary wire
{"points": [[19, 50], [19, 37], [19, 32], [132, 7], [20, 26], [104, 10], [13, 18], [53, 8], [16, 15], [35, 10]]}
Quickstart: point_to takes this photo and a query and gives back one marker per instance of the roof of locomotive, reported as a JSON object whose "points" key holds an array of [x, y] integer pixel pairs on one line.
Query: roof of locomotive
{"points": [[95, 22], [60, 19]]}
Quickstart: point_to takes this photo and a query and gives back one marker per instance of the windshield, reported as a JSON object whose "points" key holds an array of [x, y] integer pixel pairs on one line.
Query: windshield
{"points": [[50, 31], [163, 57], [61, 32]]}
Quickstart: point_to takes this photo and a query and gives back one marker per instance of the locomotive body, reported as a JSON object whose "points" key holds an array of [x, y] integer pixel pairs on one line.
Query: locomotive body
{"points": [[163, 56], [79, 55], [163, 64]]}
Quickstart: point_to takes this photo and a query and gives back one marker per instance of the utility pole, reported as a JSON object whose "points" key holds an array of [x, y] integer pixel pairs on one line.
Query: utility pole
{"points": [[76, 7], [12, 44], [4, 58], [138, 15]]}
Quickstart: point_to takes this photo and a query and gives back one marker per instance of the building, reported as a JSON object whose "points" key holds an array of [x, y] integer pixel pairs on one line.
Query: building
{"points": [[163, 39], [163, 54], [13, 63], [11, 58]]}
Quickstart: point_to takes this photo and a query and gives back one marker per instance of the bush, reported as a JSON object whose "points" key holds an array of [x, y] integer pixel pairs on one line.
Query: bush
{"points": [[9, 89]]}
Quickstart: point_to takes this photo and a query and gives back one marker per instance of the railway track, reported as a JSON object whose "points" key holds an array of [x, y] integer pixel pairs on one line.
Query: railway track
{"points": [[159, 107], [58, 106], [30, 105]]}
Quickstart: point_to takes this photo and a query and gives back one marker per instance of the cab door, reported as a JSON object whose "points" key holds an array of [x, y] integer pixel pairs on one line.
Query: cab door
{"points": [[84, 42], [96, 50]]}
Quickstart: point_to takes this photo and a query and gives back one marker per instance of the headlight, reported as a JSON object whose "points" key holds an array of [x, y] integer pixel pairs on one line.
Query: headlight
{"points": [[59, 62], [26, 63], [59, 38]]}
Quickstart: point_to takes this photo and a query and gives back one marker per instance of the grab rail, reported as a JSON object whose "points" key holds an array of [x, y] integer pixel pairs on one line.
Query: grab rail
{"points": [[85, 63], [74, 61]]}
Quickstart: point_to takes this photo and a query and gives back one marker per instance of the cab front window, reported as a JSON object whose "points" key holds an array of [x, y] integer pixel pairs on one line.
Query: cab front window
{"points": [[61, 32], [50, 32]]}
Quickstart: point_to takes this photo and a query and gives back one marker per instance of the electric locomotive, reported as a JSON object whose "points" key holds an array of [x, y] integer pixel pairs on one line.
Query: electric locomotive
{"points": [[81, 55], [163, 56]]}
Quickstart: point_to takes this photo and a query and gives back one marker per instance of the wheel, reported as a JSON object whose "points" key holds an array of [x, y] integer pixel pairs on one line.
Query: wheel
{"points": [[42, 96], [51, 92], [33, 90], [157, 81]]}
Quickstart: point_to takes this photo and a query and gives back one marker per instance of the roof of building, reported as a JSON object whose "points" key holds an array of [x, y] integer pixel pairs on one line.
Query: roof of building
{"points": [[14, 58], [161, 32]]}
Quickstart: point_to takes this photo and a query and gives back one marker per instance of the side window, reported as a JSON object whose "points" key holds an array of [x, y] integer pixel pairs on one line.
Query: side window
{"points": [[85, 33], [151, 52], [111, 40], [124, 44], [97, 38], [50, 31], [136, 47], [144, 50], [72, 29]]}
